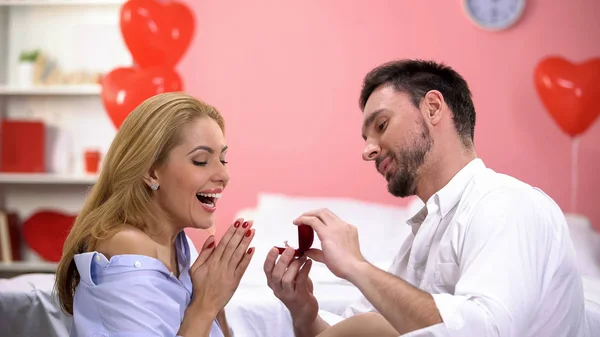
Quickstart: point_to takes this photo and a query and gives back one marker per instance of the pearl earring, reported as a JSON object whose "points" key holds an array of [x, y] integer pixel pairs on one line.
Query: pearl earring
{"points": [[154, 187]]}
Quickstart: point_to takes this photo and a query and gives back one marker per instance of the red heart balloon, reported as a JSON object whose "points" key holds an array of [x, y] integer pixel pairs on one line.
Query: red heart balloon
{"points": [[123, 89], [156, 33], [306, 236], [569, 92], [45, 233]]}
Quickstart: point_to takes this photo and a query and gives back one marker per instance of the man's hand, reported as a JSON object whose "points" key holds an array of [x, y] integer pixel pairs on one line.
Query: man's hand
{"points": [[339, 241], [288, 278]]}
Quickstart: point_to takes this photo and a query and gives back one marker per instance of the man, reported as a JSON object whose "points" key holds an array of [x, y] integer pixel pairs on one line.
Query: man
{"points": [[488, 256]]}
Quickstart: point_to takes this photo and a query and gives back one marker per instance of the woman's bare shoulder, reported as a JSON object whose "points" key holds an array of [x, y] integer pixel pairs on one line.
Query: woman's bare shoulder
{"points": [[127, 240]]}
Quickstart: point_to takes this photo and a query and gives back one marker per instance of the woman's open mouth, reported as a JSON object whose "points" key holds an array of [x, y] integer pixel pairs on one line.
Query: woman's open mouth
{"points": [[208, 200]]}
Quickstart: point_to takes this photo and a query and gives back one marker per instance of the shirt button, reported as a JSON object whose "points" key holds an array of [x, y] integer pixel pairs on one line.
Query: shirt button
{"points": [[137, 264], [97, 258], [172, 274]]}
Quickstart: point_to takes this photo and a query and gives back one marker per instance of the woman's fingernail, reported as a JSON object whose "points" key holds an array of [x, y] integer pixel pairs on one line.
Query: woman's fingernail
{"points": [[248, 233], [237, 224], [250, 250], [245, 224], [210, 245]]}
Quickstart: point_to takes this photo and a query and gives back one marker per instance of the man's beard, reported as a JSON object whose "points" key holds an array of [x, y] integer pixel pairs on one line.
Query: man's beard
{"points": [[402, 182]]}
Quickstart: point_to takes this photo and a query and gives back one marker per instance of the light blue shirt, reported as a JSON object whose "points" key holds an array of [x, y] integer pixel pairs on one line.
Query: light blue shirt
{"points": [[132, 295]]}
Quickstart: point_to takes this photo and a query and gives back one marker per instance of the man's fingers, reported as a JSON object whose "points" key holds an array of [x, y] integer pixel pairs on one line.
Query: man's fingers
{"points": [[315, 254], [270, 261], [288, 281], [325, 215], [280, 267], [313, 222], [302, 279]]}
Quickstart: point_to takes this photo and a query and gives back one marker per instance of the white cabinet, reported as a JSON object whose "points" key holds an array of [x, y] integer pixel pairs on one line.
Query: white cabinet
{"points": [[76, 35]]}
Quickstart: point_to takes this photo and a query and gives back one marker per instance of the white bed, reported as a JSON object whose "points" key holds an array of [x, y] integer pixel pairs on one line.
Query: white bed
{"points": [[28, 309]]}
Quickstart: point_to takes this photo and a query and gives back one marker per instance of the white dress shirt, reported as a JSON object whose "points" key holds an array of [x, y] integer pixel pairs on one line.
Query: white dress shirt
{"points": [[496, 255]]}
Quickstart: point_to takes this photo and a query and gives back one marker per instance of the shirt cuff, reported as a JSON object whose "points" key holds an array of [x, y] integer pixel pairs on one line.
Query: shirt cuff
{"points": [[448, 307]]}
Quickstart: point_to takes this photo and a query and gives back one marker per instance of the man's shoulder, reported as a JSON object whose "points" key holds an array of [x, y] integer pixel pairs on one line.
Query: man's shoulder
{"points": [[500, 196], [490, 182]]}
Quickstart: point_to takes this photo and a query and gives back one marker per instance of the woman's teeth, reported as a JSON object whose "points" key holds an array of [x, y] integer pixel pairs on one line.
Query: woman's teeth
{"points": [[210, 195], [208, 199]]}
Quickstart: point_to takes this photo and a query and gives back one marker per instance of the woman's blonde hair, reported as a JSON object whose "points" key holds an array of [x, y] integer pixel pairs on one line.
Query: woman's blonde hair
{"points": [[120, 196]]}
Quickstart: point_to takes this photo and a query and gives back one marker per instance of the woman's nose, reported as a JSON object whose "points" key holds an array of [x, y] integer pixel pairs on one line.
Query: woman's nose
{"points": [[222, 175]]}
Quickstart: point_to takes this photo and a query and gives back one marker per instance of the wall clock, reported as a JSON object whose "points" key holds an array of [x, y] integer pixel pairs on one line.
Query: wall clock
{"points": [[494, 15]]}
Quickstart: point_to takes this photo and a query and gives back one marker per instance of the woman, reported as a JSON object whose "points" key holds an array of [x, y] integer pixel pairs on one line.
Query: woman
{"points": [[125, 269]]}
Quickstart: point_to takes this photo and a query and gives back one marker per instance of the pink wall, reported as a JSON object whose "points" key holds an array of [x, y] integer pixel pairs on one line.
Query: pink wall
{"points": [[286, 75]]}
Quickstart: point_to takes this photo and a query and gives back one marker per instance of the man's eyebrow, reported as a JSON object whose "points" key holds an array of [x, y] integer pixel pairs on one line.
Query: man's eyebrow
{"points": [[367, 123]]}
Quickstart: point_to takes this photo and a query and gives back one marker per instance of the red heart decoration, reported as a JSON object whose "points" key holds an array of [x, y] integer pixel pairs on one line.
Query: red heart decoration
{"points": [[45, 233], [306, 236], [123, 89], [569, 92], [156, 33]]}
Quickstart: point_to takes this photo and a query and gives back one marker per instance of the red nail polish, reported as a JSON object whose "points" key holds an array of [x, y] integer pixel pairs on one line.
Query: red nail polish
{"points": [[250, 250], [248, 233], [210, 245], [245, 224], [237, 224]]}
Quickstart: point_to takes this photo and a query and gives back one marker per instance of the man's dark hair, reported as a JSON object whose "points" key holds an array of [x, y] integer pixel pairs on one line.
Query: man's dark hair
{"points": [[416, 78]]}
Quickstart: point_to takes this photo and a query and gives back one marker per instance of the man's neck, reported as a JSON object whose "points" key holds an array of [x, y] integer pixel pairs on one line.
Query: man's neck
{"points": [[438, 173]]}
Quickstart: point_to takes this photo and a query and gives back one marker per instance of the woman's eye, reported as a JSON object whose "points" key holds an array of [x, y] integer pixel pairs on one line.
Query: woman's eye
{"points": [[224, 162], [199, 163]]}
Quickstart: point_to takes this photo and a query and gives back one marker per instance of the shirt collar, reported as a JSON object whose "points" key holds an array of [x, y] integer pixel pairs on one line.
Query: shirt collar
{"points": [[446, 198], [450, 194]]}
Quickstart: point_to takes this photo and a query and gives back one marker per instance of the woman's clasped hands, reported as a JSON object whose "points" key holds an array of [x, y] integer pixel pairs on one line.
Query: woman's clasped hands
{"points": [[217, 271]]}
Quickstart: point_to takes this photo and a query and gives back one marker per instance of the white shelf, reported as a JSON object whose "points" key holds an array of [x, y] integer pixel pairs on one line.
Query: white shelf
{"points": [[28, 267], [59, 2], [64, 90], [46, 178]]}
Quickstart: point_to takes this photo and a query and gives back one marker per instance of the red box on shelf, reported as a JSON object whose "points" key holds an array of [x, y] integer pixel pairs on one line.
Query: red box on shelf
{"points": [[22, 146]]}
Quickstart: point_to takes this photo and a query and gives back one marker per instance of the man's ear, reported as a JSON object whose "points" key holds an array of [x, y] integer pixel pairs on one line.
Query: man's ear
{"points": [[433, 103]]}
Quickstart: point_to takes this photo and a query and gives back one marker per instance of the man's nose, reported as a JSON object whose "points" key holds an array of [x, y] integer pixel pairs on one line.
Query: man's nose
{"points": [[371, 151]]}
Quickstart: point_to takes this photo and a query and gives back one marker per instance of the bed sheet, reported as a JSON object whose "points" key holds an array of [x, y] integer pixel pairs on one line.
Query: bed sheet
{"points": [[255, 312], [27, 307]]}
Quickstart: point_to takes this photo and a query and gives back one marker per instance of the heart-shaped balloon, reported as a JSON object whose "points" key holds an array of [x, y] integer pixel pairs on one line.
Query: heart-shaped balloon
{"points": [[123, 89], [569, 92], [45, 233], [306, 236], [157, 33]]}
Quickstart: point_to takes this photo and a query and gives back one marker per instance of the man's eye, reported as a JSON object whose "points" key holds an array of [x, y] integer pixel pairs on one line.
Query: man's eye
{"points": [[381, 126]]}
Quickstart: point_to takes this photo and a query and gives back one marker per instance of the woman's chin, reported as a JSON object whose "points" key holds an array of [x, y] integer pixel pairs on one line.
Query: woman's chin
{"points": [[206, 224]]}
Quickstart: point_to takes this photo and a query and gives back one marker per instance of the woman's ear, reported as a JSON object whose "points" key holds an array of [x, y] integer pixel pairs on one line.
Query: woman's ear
{"points": [[151, 179]]}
